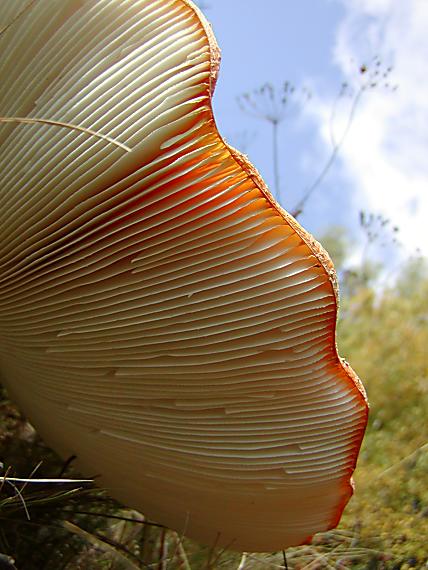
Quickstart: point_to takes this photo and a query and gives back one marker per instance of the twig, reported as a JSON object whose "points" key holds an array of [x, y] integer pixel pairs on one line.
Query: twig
{"points": [[21, 498], [3, 479], [242, 561], [269, 104], [118, 517], [67, 464], [26, 481], [43, 481], [395, 465], [222, 551], [19, 15], [163, 551], [285, 560], [210, 555], [183, 562], [105, 544], [35, 121], [298, 209], [266, 563], [372, 77], [275, 149]]}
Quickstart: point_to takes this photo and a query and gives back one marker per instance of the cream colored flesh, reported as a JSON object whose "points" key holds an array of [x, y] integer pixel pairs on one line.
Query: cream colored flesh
{"points": [[159, 317]]}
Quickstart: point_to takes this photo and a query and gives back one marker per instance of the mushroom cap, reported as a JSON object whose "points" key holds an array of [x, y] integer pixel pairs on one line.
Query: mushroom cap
{"points": [[161, 316]]}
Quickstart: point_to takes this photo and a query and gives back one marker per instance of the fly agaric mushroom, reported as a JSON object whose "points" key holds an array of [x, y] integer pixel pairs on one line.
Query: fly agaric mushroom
{"points": [[161, 316]]}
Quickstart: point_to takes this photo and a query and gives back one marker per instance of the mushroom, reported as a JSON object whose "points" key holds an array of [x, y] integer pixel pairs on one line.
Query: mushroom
{"points": [[161, 316]]}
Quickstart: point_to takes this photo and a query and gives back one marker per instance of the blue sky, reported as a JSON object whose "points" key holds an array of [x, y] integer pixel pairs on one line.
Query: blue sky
{"points": [[381, 166], [280, 43]]}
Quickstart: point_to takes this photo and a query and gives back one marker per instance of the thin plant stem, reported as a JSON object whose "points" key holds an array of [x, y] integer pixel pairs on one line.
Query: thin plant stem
{"points": [[275, 154], [163, 551], [242, 561], [180, 554], [19, 15], [298, 209], [285, 560], [49, 122]]}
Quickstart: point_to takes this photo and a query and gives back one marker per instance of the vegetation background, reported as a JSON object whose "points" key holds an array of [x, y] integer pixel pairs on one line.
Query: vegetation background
{"points": [[383, 332]]}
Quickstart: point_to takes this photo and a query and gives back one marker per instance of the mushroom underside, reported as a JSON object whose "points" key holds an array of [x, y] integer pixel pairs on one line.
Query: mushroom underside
{"points": [[161, 317]]}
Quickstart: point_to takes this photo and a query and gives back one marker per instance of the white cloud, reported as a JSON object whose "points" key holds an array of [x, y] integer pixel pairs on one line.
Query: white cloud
{"points": [[385, 156]]}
